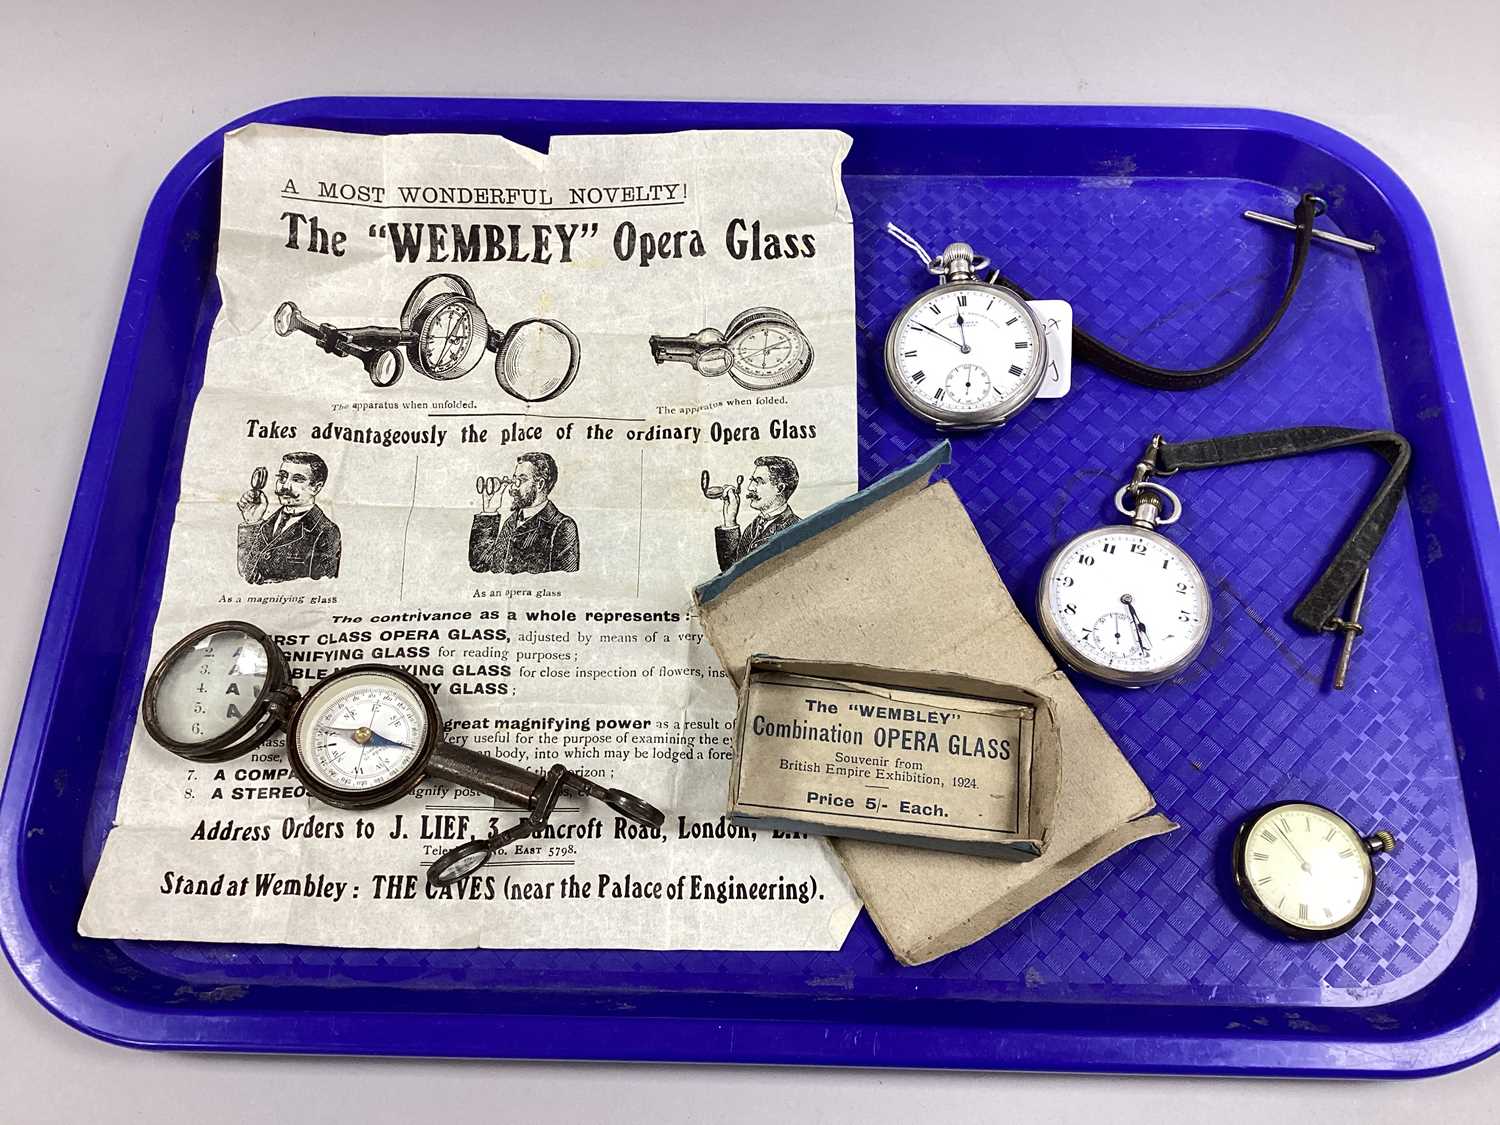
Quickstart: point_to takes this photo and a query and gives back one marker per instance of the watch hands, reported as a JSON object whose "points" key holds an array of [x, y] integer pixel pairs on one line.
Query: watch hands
{"points": [[961, 347], [961, 334], [1142, 641], [1306, 867]]}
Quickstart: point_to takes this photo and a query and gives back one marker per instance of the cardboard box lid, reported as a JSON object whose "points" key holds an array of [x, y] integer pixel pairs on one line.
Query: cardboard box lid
{"points": [[897, 576]]}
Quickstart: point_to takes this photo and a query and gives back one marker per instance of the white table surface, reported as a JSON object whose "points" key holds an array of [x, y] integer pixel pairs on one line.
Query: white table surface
{"points": [[104, 97]]}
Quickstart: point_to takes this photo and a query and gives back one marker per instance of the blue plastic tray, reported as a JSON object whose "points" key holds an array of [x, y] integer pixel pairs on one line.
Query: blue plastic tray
{"points": [[1144, 964]]}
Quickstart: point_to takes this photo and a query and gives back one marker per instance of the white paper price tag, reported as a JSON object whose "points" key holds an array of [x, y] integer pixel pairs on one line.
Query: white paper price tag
{"points": [[1057, 320]]}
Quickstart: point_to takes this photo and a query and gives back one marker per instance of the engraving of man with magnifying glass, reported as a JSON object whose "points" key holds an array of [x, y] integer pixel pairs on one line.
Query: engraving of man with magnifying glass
{"points": [[523, 533], [769, 492], [297, 539]]}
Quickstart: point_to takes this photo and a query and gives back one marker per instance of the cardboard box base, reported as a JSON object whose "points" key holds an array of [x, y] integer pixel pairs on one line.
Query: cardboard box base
{"points": [[917, 936]]}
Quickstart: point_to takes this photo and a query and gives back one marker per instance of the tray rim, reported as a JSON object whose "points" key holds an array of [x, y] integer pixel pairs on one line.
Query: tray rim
{"points": [[703, 1038]]}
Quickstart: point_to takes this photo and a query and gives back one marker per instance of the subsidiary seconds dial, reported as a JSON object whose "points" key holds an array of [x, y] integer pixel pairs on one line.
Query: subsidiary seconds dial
{"points": [[965, 354]]}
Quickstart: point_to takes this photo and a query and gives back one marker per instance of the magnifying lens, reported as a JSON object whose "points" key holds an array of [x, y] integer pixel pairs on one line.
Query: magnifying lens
{"points": [[361, 738], [762, 349], [536, 360], [217, 693]]}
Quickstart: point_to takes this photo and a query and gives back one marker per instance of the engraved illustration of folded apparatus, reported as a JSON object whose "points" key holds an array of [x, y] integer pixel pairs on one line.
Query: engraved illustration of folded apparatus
{"points": [[762, 349]]}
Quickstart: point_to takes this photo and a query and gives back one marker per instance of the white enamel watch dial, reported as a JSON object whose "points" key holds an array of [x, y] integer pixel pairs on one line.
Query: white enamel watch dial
{"points": [[1125, 605], [1305, 870], [966, 354]]}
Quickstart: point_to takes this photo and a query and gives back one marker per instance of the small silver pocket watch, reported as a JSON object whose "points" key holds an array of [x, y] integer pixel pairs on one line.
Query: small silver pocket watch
{"points": [[966, 354], [1123, 603]]}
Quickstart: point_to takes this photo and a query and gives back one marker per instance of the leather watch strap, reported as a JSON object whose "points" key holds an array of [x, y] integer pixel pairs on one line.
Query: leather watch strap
{"points": [[1320, 607], [1090, 349]]}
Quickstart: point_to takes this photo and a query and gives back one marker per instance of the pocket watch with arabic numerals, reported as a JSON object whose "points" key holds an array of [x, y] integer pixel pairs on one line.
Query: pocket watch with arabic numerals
{"points": [[1123, 603], [965, 355]]}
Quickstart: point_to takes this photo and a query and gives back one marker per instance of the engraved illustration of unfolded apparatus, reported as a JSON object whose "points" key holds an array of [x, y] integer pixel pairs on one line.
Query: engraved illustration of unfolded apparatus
{"points": [[444, 334]]}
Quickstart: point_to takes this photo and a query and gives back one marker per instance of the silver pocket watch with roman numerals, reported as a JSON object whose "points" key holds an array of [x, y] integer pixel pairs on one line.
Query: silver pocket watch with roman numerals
{"points": [[965, 355]]}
